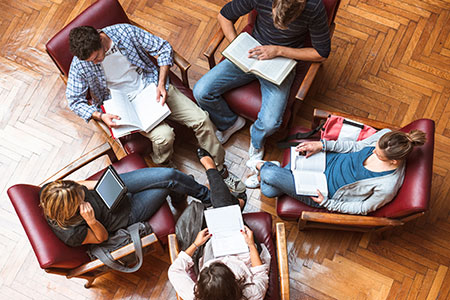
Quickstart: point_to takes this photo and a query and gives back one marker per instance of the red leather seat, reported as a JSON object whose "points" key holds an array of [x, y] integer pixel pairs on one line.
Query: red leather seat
{"points": [[51, 252], [101, 14], [412, 198]]}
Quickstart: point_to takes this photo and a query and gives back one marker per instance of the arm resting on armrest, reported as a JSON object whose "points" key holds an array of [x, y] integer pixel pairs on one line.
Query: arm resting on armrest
{"points": [[283, 267]]}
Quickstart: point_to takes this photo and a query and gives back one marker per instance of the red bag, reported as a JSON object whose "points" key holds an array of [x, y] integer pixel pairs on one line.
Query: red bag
{"points": [[334, 128], [339, 128]]}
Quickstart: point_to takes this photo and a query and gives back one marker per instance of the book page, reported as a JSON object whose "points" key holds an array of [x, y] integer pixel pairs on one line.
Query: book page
{"points": [[237, 51], [121, 106], [275, 69], [225, 224], [315, 162], [307, 183], [150, 112]]}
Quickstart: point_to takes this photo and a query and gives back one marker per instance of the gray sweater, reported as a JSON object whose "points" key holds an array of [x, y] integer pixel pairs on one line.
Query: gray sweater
{"points": [[364, 196]]}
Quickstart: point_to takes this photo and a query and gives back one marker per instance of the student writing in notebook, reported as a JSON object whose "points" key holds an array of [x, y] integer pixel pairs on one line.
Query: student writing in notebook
{"points": [[231, 277], [361, 176]]}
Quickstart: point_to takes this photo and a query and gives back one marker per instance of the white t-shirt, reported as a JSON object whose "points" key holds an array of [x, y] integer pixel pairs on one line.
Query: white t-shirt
{"points": [[121, 75]]}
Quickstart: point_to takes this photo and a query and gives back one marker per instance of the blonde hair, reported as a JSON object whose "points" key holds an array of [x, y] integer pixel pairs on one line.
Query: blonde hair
{"points": [[60, 201], [286, 11], [397, 144]]}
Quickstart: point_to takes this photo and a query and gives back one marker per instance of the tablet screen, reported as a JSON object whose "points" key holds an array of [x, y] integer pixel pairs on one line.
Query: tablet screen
{"points": [[109, 188]]}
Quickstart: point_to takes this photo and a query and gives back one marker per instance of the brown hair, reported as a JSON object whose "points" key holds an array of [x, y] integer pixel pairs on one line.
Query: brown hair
{"points": [[286, 11], [397, 144], [218, 282], [61, 200], [83, 41]]}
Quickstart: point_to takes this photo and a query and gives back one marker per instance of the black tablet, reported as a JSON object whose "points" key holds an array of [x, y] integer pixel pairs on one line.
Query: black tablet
{"points": [[110, 188]]}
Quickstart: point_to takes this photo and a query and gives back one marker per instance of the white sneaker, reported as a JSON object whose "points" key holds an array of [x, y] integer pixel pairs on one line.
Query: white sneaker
{"points": [[255, 154], [223, 136], [252, 182], [251, 164]]}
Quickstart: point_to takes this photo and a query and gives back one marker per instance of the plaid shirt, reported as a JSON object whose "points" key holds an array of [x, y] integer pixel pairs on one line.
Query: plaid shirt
{"points": [[135, 44]]}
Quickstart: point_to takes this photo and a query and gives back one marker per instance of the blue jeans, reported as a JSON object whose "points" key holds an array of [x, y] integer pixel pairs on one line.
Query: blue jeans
{"points": [[149, 188], [276, 181], [226, 76]]}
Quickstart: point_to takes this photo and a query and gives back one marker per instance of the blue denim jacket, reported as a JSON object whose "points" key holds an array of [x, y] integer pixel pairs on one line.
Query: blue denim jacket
{"points": [[135, 44]]}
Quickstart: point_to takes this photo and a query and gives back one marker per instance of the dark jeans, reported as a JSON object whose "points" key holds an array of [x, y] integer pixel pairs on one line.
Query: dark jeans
{"points": [[220, 194]]}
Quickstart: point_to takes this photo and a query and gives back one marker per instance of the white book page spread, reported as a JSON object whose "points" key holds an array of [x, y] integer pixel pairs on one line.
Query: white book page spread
{"points": [[307, 183], [315, 162], [237, 51], [273, 68], [120, 105], [150, 112], [225, 225]]}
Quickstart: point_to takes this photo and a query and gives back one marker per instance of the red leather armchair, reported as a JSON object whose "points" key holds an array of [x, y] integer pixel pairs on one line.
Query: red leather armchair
{"points": [[411, 201], [246, 100], [56, 257], [101, 14], [261, 225]]}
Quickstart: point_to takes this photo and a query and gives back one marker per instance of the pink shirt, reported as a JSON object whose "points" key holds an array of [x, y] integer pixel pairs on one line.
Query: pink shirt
{"points": [[239, 264]]}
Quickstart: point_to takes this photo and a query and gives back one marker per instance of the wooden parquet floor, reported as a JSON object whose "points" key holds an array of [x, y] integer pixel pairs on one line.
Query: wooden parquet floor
{"points": [[390, 61]]}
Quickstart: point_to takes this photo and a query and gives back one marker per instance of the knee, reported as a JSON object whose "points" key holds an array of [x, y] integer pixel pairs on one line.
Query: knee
{"points": [[163, 136], [202, 90], [269, 173]]}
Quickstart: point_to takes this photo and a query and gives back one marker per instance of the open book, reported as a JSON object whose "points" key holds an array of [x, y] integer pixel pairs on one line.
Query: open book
{"points": [[139, 113], [274, 70], [308, 173], [225, 225]]}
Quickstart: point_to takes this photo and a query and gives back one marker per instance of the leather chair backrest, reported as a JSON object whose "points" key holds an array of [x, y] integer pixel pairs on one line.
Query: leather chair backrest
{"points": [[50, 251], [99, 15], [414, 195]]}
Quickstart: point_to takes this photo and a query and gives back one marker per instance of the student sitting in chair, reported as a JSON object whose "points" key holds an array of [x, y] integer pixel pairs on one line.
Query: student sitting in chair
{"points": [[361, 176], [78, 216], [230, 277]]}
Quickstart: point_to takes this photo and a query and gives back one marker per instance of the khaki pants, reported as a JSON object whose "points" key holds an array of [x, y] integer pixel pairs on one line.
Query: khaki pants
{"points": [[185, 112]]}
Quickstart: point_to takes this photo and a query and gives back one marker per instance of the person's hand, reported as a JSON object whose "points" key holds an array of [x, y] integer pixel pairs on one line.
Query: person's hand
{"points": [[202, 237], [309, 148], [248, 236], [263, 52], [161, 94], [319, 198], [108, 119], [87, 212]]}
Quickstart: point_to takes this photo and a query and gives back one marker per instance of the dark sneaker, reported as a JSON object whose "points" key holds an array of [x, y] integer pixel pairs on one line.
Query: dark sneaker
{"points": [[233, 182]]}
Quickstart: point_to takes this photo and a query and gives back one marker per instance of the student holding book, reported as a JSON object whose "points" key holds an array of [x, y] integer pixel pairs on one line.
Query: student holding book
{"points": [[230, 277], [361, 176], [281, 28], [78, 216], [116, 59]]}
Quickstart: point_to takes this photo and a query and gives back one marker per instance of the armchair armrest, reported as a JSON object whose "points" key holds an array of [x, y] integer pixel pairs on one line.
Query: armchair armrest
{"points": [[104, 149], [173, 250], [322, 115], [283, 267], [116, 254], [219, 36], [345, 220], [308, 80], [184, 65]]}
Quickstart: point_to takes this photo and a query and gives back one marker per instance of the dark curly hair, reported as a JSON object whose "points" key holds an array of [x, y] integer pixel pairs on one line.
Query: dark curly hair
{"points": [[83, 41], [218, 282]]}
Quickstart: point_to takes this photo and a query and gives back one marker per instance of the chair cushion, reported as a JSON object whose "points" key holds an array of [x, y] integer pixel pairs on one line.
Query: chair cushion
{"points": [[413, 196], [261, 225]]}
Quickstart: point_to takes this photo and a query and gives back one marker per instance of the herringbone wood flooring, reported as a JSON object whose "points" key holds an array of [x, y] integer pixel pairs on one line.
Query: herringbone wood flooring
{"points": [[390, 61]]}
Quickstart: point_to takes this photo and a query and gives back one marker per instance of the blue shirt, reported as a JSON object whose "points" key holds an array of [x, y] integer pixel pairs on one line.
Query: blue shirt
{"points": [[135, 44], [345, 168]]}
